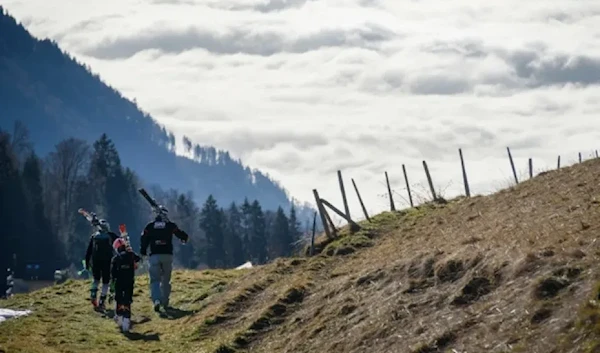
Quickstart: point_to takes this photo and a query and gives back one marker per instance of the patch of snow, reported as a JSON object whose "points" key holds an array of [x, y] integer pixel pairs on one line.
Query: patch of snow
{"points": [[245, 265], [6, 314]]}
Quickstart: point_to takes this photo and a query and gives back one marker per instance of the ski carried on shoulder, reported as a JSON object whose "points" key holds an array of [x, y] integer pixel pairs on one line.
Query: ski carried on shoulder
{"points": [[158, 209], [124, 234], [90, 216]]}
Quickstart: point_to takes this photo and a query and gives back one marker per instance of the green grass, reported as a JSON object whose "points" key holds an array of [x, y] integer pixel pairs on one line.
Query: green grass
{"points": [[63, 321]]}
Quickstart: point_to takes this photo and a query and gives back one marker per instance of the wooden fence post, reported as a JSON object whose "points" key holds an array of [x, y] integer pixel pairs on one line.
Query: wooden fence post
{"points": [[558, 163], [596, 153], [387, 180], [343, 190], [580, 160], [429, 181], [362, 205], [512, 165], [314, 231], [353, 225], [530, 168], [333, 229], [464, 173], [407, 186], [322, 212]]}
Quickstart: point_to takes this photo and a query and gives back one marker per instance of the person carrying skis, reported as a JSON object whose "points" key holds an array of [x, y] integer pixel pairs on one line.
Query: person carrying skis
{"points": [[158, 236], [98, 257], [123, 266]]}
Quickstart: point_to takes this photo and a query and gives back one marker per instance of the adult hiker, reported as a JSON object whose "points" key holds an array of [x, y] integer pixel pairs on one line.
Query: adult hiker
{"points": [[98, 257], [158, 235], [123, 268]]}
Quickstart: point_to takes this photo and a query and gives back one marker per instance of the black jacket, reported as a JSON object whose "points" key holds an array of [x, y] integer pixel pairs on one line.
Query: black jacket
{"points": [[158, 235], [123, 266], [100, 248]]}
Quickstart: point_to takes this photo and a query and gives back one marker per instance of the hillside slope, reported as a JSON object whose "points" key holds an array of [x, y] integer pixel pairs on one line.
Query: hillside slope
{"points": [[512, 272], [56, 98]]}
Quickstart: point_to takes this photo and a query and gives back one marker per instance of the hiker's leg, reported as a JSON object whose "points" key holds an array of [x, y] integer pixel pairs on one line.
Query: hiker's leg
{"points": [[105, 271], [167, 265], [96, 277], [155, 276]]}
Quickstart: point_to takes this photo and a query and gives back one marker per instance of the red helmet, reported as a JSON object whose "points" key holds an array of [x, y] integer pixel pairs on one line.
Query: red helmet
{"points": [[120, 242]]}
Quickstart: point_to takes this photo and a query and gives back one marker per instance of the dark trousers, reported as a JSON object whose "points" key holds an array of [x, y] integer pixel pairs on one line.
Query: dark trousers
{"points": [[124, 297], [101, 271]]}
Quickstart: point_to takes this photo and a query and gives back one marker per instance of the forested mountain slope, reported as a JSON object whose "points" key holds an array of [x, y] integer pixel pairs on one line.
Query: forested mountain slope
{"points": [[56, 98]]}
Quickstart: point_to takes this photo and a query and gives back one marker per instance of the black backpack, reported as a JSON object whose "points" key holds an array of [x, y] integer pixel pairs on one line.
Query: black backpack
{"points": [[103, 244]]}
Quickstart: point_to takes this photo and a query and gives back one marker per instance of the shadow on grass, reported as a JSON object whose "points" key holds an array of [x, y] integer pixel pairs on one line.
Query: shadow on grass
{"points": [[146, 336], [174, 313], [142, 320]]}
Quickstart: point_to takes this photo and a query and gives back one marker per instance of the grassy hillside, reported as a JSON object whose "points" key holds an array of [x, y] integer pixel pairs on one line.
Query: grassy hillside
{"points": [[516, 271]]}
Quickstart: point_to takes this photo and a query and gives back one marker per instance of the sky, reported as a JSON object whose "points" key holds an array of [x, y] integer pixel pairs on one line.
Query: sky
{"points": [[303, 88]]}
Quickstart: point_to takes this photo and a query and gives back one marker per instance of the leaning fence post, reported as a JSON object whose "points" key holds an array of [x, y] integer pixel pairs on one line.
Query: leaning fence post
{"points": [[464, 172], [429, 181], [512, 165], [362, 205], [530, 168], [343, 190], [333, 230], [314, 231], [387, 180], [322, 212], [353, 225], [407, 186]]}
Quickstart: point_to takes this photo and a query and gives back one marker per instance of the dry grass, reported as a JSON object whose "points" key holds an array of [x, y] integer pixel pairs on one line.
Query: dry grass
{"points": [[510, 272]]}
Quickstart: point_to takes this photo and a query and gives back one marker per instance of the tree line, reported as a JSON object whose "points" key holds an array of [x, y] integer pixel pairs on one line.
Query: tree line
{"points": [[42, 231]]}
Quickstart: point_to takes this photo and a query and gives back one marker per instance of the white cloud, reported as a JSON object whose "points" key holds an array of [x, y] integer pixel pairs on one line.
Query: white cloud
{"points": [[302, 88]]}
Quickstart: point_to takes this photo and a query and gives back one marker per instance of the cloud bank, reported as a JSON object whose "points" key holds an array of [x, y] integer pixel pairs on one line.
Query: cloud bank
{"points": [[302, 88]]}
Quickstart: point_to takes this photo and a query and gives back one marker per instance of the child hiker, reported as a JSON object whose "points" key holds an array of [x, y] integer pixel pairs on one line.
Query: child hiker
{"points": [[123, 269], [98, 256]]}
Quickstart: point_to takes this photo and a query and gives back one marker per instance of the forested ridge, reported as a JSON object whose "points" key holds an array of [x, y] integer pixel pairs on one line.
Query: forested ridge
{"points": [[40, 196], [57, 98]]}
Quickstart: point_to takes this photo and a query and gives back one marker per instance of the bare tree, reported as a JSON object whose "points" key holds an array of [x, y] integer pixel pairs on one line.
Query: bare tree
{"points": [[64, 167], [20, 142]]}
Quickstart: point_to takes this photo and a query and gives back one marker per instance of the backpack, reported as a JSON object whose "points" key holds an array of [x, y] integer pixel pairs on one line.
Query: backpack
{"points": [[102, 245]]}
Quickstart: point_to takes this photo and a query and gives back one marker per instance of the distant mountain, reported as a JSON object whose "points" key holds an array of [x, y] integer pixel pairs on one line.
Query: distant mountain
{"points": [[57, 97]]}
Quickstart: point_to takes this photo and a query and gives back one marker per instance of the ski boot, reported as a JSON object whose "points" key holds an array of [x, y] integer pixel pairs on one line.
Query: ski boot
{"points": [[125, 325], [165, 305], [157, 306], [126, 321], [101, 304], [119, 315], [93, 295]]}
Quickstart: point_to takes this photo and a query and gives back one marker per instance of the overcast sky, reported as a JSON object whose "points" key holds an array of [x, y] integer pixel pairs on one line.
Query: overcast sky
{"points": [[302, 88]]}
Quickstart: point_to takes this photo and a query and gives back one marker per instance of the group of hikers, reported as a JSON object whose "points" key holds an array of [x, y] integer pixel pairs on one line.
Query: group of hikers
{"points": [[113, 262]]}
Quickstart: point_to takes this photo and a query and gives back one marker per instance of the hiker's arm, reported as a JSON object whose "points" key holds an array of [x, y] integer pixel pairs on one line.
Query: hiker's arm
{"points": [[88, 253], [144, 241], [180, 233]]}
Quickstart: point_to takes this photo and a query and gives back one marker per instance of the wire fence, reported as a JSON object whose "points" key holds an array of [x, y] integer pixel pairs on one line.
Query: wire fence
{"points": [[401, 192]]}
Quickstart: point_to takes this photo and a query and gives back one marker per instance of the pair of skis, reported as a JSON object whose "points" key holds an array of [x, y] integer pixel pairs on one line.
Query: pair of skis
{"points": [[94, 221], [158, 209]]}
